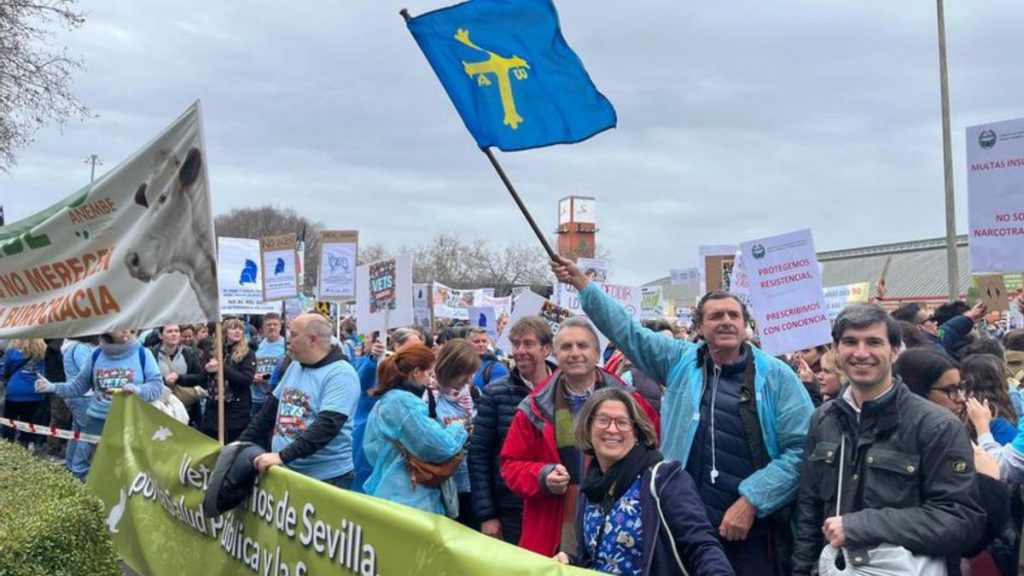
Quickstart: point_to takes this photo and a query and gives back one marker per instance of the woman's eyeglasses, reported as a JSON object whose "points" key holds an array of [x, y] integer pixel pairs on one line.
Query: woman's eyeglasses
{"points": [[953, 392], [604, 422]]}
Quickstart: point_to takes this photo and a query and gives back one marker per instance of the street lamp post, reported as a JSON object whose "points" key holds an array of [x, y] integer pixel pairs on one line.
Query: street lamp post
{"points": [[952, 265]]}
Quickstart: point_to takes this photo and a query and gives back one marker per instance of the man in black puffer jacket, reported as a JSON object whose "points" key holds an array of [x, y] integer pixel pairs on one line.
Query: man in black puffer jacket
{"points": [[498, 510]]}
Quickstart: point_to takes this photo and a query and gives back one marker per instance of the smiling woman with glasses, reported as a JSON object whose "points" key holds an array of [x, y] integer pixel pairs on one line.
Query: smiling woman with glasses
{"points": [[935, 376], [637, 514]]}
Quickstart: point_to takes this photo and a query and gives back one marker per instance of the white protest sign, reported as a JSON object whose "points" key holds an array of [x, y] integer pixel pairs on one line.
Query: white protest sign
{"points": [[280, 275], [384, 294], [339, 250], [240, 277], [684, 316], [531, 304], [629, 297], [995, 196], [739, 282], [455, 304], [685, 276], [595, 268], [652, 303], [717, 257], [501, 305], [133, 250], [785, 288], [484, 317], [421, 306], [839, 297]]}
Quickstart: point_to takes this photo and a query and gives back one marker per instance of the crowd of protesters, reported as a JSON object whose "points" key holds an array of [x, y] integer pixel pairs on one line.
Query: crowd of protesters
{"points": [[673, 451]]}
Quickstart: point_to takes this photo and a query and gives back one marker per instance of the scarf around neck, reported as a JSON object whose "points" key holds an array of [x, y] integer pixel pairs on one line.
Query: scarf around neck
{"points": [[604, 487]]}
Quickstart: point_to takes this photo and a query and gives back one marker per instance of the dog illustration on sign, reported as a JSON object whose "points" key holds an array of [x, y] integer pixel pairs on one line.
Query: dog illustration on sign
{"points": [[336, 263]]}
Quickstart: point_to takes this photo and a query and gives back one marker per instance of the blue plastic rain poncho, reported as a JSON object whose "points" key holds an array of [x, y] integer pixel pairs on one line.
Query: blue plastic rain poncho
{"points": [[401, 415]]}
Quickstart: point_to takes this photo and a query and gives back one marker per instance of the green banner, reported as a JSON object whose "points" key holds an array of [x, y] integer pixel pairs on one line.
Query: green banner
{"points": [[151, 472]]}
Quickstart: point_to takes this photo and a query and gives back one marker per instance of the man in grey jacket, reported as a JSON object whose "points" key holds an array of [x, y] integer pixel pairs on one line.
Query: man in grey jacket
{"points": [[908, 475]]}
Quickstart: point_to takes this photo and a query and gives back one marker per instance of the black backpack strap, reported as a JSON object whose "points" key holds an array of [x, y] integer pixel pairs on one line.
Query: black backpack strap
{"points": [[431, 405], [486, 375], [748, 415]]}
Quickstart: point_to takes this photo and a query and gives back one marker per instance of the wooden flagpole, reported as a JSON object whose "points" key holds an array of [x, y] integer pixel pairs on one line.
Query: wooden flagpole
{"points": [[508, 183], [218, 343]]}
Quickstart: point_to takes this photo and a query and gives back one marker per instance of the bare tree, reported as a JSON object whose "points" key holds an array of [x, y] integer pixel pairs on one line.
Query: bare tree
{"points": [[474, 263], [373, 253], [35, 80], [447, 258], [516, 265]]}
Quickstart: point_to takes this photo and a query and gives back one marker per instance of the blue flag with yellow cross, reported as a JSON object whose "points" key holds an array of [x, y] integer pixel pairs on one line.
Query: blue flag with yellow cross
{"points": [[511, 75]]}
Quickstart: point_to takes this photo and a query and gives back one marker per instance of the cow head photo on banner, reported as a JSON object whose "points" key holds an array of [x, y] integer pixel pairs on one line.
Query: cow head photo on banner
{"points": [[175, 227]]}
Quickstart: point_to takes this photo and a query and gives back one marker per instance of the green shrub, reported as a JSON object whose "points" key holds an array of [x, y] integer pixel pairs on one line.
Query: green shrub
{"points": [[50, 524]]}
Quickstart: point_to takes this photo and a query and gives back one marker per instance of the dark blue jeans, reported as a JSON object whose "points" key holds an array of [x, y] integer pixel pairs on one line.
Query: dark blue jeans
{"points": [[344, 481]]}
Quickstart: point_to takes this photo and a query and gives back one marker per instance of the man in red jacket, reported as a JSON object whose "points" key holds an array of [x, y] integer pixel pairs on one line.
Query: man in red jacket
{"points": [[540, 461]]}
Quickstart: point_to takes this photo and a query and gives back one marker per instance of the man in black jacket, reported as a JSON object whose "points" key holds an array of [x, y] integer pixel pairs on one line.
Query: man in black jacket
{"points": [[908, 474], [310, 410], [499, 511]]}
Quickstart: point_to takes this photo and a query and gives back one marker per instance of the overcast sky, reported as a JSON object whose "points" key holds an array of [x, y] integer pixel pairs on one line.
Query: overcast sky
{"points": [[736, 119]]}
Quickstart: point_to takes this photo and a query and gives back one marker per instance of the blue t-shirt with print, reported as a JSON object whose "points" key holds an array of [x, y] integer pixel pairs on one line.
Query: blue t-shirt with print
{"points": [[302, 394], [267, 356]]}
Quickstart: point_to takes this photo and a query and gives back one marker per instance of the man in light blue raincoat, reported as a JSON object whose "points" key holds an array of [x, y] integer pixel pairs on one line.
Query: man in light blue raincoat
{"points": [[735, 417]]}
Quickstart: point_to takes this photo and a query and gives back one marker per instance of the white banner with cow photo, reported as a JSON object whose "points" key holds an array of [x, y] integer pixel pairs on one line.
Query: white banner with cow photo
{"points": [[384, 297], [240, 280], [132, 250]]}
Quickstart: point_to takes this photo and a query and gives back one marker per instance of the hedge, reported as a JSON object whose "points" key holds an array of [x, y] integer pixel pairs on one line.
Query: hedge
{"points": [[50, 524]]}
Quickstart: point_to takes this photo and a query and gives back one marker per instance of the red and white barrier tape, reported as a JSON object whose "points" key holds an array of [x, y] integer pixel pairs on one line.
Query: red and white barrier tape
{"points": [[49, 431]]}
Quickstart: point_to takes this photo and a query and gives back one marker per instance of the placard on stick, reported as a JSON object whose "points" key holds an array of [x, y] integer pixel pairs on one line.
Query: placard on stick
{"points": [[339, 251], [992, 292], [280, 276]]}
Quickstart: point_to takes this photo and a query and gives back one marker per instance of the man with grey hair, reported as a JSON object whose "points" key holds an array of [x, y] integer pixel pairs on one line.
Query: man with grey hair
{"points": [[310, 410], [540, 462], [904, 465], [735, 417]]}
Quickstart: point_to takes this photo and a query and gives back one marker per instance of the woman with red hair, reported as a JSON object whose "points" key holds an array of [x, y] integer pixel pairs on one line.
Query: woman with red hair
{"points": [[400, 424]]}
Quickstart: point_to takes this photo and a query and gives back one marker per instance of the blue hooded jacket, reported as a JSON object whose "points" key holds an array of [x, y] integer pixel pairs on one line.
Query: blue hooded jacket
{"points": [[783, 406]]}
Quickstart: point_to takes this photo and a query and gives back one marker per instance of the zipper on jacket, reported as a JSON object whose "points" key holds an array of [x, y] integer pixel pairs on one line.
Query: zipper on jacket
{"points": [[714, 398]]}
